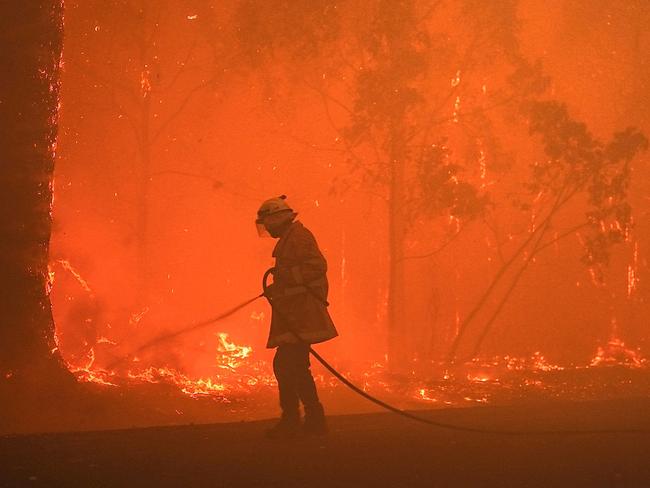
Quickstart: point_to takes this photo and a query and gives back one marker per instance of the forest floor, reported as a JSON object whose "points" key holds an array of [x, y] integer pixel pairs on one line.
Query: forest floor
{"points": [[84, 406], [377, 449]]}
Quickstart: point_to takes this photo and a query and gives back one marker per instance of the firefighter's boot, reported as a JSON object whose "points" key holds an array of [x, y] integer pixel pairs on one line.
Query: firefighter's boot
{"points": [[287, 427], [315, 423]]}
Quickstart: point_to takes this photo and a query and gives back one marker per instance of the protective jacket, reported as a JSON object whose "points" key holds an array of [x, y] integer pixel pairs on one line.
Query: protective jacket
{"points": [[299, 291]]}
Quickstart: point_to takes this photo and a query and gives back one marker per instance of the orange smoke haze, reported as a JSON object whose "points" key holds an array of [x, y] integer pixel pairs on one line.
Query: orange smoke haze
{"points": [[171, 135]]}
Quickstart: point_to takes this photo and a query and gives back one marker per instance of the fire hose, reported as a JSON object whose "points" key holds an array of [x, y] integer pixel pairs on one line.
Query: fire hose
{"points": [[359, 391]]}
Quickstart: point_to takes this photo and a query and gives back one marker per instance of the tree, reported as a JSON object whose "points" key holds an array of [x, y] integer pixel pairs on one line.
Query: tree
{"points": [[430, 184], [32, 35], [145, 65], [576, 163], [396, 71], [423, 96], [399, 99]]}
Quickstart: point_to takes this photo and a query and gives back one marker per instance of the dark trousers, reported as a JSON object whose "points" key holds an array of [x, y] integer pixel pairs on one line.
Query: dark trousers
{"points": [[295, 382]]}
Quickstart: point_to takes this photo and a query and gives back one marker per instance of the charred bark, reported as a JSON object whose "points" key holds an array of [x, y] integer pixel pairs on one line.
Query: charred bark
{"points": [[31, 34]]}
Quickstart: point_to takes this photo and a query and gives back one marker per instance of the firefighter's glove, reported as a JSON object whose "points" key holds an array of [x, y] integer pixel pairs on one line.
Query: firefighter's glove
{"points": [[270, 288], [269, 291]]}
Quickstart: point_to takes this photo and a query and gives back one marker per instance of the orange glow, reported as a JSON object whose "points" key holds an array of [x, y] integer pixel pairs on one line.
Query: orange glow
{"points": [[616, 353], [68, 267], [418, 166], [632, 272]]}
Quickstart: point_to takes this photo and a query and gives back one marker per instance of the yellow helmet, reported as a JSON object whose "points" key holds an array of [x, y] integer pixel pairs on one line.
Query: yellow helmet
{"points": [[272, 206]]}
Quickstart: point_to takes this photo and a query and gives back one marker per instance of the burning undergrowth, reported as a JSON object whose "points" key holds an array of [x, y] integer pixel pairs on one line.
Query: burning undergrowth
{"points": [[237, 373], [156, 389], [241, 379], [185, 375]]}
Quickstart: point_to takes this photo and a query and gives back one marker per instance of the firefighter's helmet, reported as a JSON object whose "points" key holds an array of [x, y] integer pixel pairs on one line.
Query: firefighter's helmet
{"points": [[273, 206]]}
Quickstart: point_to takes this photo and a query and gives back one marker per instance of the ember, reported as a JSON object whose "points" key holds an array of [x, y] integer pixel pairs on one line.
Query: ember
{"points": [[614, 353]]}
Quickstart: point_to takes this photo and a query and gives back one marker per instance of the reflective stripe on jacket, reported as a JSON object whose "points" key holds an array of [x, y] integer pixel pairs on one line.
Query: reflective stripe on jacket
{"points": [[300, 290]]}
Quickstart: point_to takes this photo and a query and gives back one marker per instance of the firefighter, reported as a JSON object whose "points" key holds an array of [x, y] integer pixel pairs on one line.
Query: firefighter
{"points": [[298, 296]]}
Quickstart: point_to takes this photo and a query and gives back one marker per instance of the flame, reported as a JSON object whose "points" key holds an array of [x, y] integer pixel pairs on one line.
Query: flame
{"points": [[238, 372], [230, 355], [240, 377], [193, 388], [456, 109], [56, 343], [425, 395], [106, 340], [87, 374], [482, 166], [77, 276], [616, 353], [632, 272], [145, 83], [483, 380], [137, 317], [49, 284], [455, 81]]}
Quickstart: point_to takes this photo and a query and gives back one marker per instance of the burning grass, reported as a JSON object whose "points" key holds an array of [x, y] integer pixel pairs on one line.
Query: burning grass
{"points": [[615, 370], [242, 388]]}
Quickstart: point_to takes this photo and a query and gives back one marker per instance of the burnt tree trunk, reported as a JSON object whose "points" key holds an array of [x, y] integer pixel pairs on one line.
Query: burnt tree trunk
{"points": [[31, 36]]}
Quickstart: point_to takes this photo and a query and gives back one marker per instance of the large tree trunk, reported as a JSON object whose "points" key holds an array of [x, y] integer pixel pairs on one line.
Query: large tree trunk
{"points": [[31, 36]]}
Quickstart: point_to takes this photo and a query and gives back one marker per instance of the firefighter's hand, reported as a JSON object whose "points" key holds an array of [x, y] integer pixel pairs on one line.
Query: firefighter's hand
{"points": [[269, 291], [268, 287]]}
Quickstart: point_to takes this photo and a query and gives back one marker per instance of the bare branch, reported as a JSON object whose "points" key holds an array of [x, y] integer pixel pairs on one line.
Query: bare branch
{"points": [[328, 96], [326, 99], [568, 232], [190, 94], [502, 271], [435, 251], [497, 240], [183, 68]]}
